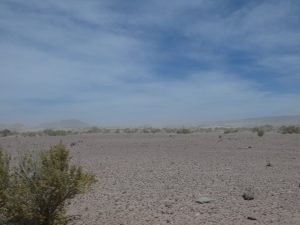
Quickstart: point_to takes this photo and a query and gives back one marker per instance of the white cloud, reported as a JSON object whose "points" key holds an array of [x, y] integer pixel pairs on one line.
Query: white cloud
{"points": [[98, 61]]}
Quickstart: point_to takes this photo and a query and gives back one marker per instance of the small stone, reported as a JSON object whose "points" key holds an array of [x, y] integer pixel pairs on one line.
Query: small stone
{"points": [[73, 144], [251, 218], [268, 164], [248, 194], [168, 205], [203, 200]]}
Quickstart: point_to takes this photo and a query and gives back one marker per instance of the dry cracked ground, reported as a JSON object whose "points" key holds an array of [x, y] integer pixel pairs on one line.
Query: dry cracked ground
{"points": [[163, 179]]}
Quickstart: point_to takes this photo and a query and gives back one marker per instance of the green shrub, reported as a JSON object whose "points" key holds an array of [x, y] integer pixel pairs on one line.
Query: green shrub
{"points": [[35, 192], [260, 132], [289, 129]]}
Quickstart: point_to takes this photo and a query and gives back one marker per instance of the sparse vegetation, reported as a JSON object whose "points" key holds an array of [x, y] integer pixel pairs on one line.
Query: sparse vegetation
{"points": [[130, 130], [51, 132], [169, 130], [289, 129], [106, 131], [260, 131], [184, 131], [230, 130], [154, 130], [94, 130], [36, 191], [6, 132]]}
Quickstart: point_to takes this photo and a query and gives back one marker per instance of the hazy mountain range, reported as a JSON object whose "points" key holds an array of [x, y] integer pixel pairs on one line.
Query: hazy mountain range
{"points": [[259, 121], [74, 124], [70, 124]]}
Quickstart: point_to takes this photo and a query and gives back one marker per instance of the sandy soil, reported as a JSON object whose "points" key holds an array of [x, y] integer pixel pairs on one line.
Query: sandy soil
{"points": [[158, 179]]}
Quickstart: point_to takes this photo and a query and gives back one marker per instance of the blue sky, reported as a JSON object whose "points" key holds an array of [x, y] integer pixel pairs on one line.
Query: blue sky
{"points": [[116, 62]]}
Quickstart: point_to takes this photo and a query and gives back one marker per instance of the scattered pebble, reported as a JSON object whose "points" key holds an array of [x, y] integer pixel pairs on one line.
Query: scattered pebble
{"points": [[203, 200], [73, 144], [268, 164], [248, 194], [251, 218]]}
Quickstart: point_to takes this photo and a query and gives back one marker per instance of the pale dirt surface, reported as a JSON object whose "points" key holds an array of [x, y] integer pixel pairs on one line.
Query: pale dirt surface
{"points": [[157, 179]]}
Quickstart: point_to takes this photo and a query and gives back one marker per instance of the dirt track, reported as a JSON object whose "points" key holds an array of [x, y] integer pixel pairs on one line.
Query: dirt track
{"points": [[157, 179]]}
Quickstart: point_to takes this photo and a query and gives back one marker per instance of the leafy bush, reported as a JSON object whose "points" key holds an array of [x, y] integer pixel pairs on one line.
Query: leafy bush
{"points": [[289, 129], [36, 191]]}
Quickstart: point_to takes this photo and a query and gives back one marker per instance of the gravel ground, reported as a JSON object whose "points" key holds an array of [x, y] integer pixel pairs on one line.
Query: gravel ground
{"points": [[163, 179]]}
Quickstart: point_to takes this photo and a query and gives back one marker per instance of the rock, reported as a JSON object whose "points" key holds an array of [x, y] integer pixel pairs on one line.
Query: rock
{"points": [[73, 144], [268, 164], [248, 194], [203, 200], [168, 204], [251, 218]]}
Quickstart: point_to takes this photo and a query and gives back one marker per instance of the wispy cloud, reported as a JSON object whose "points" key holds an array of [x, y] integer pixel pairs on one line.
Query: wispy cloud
{"points": [[162, 62]]}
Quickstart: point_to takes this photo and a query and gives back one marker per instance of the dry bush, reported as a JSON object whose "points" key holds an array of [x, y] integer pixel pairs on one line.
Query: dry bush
{"points": [[289, 129], [230, 130], [6, 132], [184, 131], [260, 131], [36, 191]]}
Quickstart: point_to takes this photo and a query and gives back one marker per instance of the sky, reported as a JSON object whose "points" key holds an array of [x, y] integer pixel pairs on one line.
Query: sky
{"points": [[155, 62]]}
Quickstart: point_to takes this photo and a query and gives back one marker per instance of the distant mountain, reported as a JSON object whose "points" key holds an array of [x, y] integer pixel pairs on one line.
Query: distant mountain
{"points": [[71, 124], [259, 121]]}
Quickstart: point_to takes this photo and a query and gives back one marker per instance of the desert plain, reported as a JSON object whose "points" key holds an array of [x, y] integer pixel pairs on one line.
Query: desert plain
{"points": [[182, 179]]}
